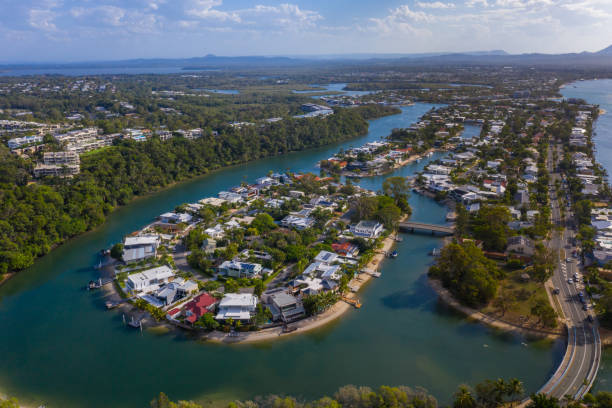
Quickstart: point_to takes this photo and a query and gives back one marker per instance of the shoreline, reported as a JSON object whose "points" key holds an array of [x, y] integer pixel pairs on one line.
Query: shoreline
{"points": [[395, 167], [184, 181], [490, 321], [301, 326]]}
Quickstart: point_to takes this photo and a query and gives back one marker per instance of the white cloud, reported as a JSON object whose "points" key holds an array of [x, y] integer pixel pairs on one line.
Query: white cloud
{"points": [[42, 19], [591, 8], [435, 5], [474, 3], [205, 9], [289, 16]]}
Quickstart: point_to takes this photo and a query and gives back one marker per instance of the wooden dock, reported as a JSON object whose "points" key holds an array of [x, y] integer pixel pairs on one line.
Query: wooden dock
{"points": [[353, 302]]}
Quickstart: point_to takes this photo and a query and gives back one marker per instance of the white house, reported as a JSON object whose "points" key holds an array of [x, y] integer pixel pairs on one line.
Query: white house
{"points": [[141, 247], [237, 269], [367, 229], [230, 197], [175, 218], [326, 257], [216, 232], [237, 306], [323, 271], [297, 222], [149, 280]]}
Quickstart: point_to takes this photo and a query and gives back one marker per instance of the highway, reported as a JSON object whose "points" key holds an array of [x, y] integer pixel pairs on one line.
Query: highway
{"points": [[579, 367]]}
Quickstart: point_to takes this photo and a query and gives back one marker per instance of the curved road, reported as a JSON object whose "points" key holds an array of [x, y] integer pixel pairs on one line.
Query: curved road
{"points": [[576, 373]]}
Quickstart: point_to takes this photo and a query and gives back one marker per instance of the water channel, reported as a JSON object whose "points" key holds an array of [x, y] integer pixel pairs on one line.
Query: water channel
{"points": [[59, 346]]}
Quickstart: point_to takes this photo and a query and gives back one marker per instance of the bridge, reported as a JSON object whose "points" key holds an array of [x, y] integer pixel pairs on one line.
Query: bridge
{"points": [[422, 227]]}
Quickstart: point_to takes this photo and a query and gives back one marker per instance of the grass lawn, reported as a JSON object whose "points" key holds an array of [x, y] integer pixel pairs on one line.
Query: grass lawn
{"points": [[517, 297]]}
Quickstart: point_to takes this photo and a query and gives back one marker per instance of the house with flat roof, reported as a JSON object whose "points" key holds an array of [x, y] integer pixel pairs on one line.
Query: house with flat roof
{"points": [[175, 218], [285, 307], [236, 269], [237, 306], [326, 257], [141, 247], [149, 280]]}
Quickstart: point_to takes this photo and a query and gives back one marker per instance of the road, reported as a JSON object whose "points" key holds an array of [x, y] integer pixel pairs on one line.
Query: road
{"points": [[579, 367]]}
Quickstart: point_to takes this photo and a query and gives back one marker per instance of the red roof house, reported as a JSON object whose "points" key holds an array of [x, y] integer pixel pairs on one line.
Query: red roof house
{"points": [[199, 306]]}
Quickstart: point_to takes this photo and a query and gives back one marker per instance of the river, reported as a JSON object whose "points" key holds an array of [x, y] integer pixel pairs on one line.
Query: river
{"points": [[59, 346], [599, 92]]}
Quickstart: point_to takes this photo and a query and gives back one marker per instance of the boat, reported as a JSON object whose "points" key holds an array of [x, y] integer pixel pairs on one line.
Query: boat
{"points": [[435, 252], [393, 254]]}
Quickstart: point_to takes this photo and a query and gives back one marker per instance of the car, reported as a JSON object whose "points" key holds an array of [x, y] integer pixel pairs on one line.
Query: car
{"points": [[568, 260], [570, 281], [585, 307], [590, 318], [556, 291]]}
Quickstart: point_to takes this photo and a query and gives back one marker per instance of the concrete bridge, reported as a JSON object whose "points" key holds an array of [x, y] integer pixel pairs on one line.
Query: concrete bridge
{"points": [[423, 227]]}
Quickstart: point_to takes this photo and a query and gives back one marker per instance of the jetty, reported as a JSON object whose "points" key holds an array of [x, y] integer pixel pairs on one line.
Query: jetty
{"points": [[353, 302]]}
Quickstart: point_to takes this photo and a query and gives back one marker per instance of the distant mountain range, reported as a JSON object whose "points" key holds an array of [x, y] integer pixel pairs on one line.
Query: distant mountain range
{"points": [[602, 58], [605, 51]]}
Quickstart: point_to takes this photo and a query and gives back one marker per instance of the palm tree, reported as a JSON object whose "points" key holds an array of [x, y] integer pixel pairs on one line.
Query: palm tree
{"points": [[543, 401], [514, 388], [500, 390], [464, 398]]}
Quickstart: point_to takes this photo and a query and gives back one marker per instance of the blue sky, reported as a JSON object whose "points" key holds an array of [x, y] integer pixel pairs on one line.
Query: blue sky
{"points": [[81, 30]]}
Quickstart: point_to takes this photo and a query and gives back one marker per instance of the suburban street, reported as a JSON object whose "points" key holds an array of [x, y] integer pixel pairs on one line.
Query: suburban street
{"points": [[578, 369]]}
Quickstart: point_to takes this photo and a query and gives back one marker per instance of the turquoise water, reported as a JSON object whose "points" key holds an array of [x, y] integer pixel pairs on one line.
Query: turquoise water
{"points": [[60, 347], [600, 93]]}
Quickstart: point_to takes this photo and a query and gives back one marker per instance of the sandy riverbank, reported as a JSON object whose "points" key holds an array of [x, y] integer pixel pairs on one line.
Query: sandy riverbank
{"points": [[491, 321], [6, 277]]}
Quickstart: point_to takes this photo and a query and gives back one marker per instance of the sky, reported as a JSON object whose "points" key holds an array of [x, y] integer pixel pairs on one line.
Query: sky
{"points": [[86, 30]]}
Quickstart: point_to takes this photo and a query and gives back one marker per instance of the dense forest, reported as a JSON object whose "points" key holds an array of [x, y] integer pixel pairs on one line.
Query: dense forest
{"points": [[35, 217]]}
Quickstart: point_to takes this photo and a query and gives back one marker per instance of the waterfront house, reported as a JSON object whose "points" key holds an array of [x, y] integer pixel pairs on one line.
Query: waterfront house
{"points": [[149, 280], [285, 307], [236, 269], [175, 291], [367, 229], [237, 306], [175, 218], [230, 197], [198, 307], [141, 247]]}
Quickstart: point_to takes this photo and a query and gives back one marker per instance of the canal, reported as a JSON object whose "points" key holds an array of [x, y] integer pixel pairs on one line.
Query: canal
{"points": [[60, 347]]}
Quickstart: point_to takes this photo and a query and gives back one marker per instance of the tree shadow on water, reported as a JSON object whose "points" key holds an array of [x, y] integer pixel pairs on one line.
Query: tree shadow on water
{"points": [[418, 296]]}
